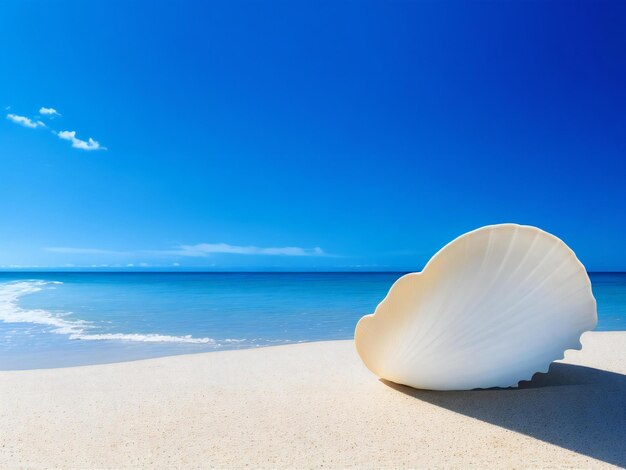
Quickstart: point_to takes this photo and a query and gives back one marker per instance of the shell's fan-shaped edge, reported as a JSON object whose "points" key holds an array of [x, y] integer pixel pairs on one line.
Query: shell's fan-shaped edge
{"points": [[491, 308]]}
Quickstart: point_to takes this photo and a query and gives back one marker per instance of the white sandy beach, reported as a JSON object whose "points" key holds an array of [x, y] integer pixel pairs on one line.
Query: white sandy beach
{"points": [[310, 405]]}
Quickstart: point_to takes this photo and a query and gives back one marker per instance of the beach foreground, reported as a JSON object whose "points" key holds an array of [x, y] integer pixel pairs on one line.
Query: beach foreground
{"points": [[310, 405]]}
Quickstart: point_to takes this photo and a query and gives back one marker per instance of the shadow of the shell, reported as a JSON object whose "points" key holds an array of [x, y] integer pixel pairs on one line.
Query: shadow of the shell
{"points": [[578, 408]]}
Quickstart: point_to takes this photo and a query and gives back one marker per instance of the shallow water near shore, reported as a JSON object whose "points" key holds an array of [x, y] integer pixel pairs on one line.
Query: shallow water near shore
{"points": [[66, 319]]}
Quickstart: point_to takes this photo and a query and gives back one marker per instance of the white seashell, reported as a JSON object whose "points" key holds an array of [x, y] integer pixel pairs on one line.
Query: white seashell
{"points": [[491, 308]]}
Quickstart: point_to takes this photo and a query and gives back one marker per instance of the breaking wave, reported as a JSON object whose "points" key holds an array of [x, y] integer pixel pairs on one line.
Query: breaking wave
{"points": [[75, 329]]}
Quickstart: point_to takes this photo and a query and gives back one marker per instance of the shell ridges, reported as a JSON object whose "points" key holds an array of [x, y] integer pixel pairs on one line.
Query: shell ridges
{"points": [[490, 309]]}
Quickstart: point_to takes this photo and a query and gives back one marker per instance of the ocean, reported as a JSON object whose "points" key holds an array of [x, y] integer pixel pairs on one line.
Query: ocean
{"points": [[69, 319]]}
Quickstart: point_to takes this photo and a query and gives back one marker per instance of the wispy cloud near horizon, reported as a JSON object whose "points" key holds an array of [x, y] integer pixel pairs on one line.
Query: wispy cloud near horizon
{"points": [[200, 250], [24, 121], [206, 249], [85, 251]]}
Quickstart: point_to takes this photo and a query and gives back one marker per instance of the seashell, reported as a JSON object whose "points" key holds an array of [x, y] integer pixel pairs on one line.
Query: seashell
{"points": [[491, 308]]}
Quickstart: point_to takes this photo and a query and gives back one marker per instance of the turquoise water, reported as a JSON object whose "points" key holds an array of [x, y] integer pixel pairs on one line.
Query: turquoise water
{"points": [[63, 319]]}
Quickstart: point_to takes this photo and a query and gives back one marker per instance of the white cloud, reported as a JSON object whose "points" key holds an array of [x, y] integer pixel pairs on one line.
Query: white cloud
{"points": [[206, 249], [24, 121], [85, 251], [48, 112], [89, 144], [78, 143], [201, 250]]}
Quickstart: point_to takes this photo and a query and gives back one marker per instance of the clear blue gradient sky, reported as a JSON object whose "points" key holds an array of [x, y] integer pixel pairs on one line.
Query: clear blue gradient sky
{"points": [[307, 135]]}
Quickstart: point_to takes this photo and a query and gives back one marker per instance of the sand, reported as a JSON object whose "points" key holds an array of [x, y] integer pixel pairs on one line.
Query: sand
{"points": [[310, 405]]}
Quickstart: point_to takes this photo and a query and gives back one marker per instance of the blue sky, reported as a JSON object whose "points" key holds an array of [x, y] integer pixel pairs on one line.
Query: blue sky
{"points": [[306, 135]]}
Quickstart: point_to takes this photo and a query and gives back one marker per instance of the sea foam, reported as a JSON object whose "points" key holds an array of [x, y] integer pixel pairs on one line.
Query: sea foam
{"points": [[75, 329]]}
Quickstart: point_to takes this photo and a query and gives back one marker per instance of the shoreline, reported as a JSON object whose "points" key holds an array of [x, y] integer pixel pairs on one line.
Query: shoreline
{"points": [[310, 405], [160, 355]]}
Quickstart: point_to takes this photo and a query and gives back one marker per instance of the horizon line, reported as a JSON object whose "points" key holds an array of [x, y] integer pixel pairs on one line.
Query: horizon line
{"points": [[135, 270]]}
